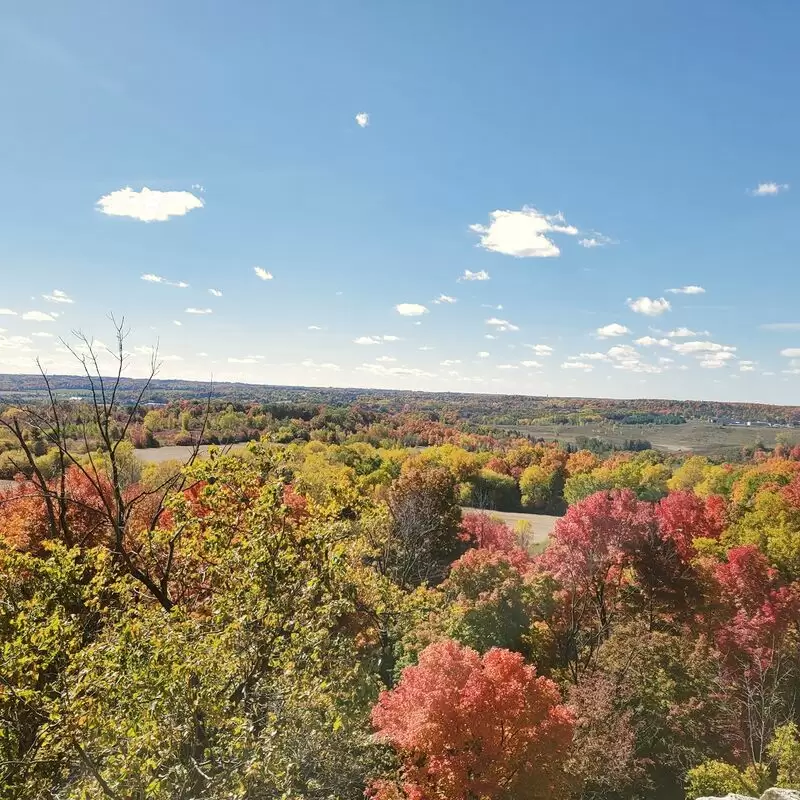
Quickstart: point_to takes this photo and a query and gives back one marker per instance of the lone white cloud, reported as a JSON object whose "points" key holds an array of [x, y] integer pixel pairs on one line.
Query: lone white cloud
{"points": [[502, 325], [768, 189], [58, 296], [523, 234], [201, 311], [469, 275], [148, 205], [687, 290], [648, 306], [148, 277], [608, 331], [362, 119], [262, 273], [410, 309], [445, 299]]}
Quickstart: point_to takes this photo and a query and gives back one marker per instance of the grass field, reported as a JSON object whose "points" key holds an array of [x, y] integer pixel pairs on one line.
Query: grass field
{"points": [[700, 437]]}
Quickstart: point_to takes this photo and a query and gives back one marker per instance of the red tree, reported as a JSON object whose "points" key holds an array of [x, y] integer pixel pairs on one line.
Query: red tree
{"points": [[467, 726], [490, 533]]}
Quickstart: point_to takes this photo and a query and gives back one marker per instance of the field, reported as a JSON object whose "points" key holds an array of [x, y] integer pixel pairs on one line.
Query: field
{"points": [[701, 437]]}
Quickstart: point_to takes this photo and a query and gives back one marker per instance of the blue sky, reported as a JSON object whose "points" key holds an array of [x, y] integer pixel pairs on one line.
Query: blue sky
{"points": [[586, 157]]}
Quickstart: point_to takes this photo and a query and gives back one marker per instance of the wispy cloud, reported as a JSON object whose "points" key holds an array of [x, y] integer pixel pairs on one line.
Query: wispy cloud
{"points": [[215, 292], [582, 365], [386, 359], [469, 275], [57, 296], [262, 273], [380, 369], [327, 366], [541, 349], [523, 233], [148, 277], [648, 306], [769, 188], [683, 333], [199, 311], [410, 309], [530, 364], [38, 316], [449, 362], [614, 329], [596, 239], [687, 290], [445, 299], [501, 325], [771, 326], [7, 312], [314, 328], [367, 340], [483, 354], [148, 205], [362, 119]]}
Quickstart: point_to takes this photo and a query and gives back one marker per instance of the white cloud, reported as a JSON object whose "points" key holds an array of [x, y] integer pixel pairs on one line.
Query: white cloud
{"points": [[771, 326], [468, 275], [483, 354], [19, 343], [530, 363], [687, 290], [649, 341], [648, 306], [747, 366], [425, 347], [379, 369], [445, 298], [596, 240], [541, 349], [309, 363], [683, 333], [262, 273], [507, 366], [449, 362], [577, 365], [770, 188], [791, 352], [489, 336], [199, 311], [665, 360], [42, 335], [501, 325], [314, 328], [715, 360], [246, 360], [498, 307], [390, 338], [215, 292], [614, 329], [7, 312], [38, 316], [522, 234], [410, 309], [148, 205], [362, 119], [685, 348], [177, 322], [386, 359], [367, 340], [150, 278], [58, 296], [588, 357]]}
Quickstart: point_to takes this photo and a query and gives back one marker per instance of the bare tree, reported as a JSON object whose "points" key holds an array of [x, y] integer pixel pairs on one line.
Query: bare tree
{"points": [[108, 421]]}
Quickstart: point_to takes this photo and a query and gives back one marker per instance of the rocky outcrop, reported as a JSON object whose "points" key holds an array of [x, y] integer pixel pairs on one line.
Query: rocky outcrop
{"points": [[776, 793]]}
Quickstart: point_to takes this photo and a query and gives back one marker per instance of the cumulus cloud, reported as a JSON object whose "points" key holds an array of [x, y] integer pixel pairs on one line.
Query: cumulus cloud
{"points": [[588, 357], [685, 348], [7, 312], [507, 366], [608, 331], [522, 234], [262, 273], [390, 338], [445, 299], [215, 292], [791, 352], [530, 363], [309, 363], [386, 359], [410, 309], [468, 275], [42, 335], [38, 316], [648, 306], [649, 341], [483, 354], [177, 322], [314, 328], [367, 340], [577, 365], [501, 325], [747, 366], [148, 205], [362, 119], [148, 277], [769, 188], [687, 290], [683, 333], [57, 296], [199, 311], [541, 349]]}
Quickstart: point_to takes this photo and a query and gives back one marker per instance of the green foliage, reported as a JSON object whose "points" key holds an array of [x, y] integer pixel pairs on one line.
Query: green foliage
{"points": [[716, 779], [784, 751]]}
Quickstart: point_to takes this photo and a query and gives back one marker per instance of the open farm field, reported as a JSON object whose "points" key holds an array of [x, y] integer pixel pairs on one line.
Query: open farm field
{"points": [[701, 437]]}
